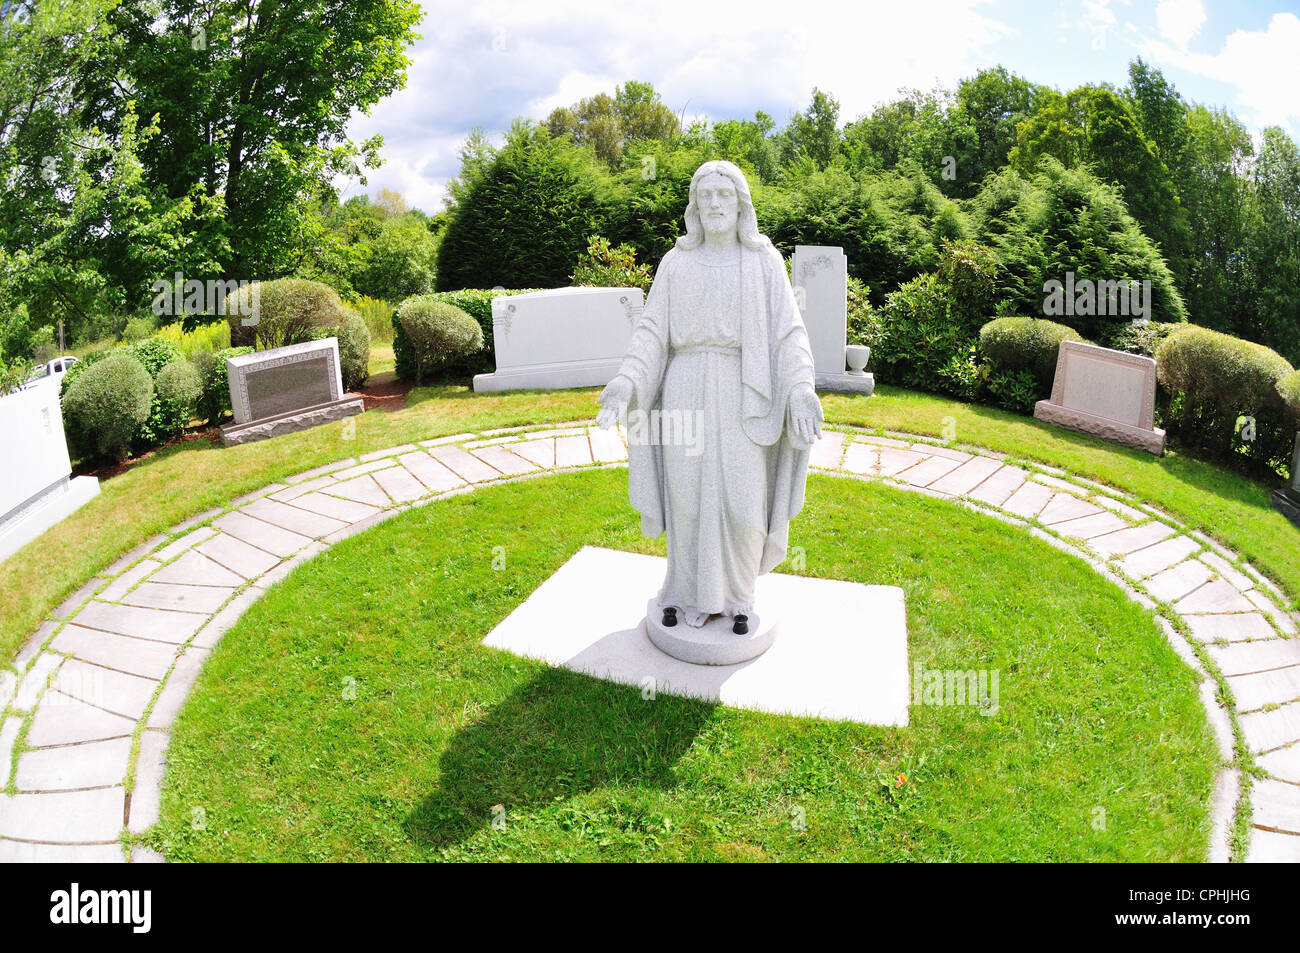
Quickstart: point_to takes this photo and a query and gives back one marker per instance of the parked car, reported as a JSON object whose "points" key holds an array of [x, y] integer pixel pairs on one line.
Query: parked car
{"points": [[51, 371]]}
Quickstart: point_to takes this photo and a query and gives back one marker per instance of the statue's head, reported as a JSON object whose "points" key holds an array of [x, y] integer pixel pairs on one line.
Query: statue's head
{"points": [[720, 199]]}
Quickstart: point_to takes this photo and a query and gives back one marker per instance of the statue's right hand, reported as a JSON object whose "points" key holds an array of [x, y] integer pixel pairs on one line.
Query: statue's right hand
{"points": [[613, 401]]}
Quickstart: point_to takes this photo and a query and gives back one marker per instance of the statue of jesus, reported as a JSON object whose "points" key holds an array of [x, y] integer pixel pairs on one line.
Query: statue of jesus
{"points": [[720, 345]]}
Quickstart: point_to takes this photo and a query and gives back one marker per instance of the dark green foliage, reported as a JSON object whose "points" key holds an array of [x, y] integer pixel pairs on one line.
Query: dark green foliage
{"points": [[930, 326], [1066, 220], [154, 353], [1137, 338], [528, 214], [1017, 391], [863, 319], [890, 226], [657, 184], [106, 406], [1214, 381]]}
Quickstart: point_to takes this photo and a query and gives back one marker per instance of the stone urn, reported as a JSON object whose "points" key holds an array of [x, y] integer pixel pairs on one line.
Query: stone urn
{"points": [[857, 355]]}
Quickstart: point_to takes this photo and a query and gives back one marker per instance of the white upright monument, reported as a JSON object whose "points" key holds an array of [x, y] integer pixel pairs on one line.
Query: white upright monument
{"points": [[820, 275], [563, 337], [37, 488]]}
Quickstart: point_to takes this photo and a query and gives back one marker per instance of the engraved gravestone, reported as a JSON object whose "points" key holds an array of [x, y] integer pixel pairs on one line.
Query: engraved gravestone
{"points": [[286, 389], [1109, 394], [820, 275], [1287, 500], [562, 337]]}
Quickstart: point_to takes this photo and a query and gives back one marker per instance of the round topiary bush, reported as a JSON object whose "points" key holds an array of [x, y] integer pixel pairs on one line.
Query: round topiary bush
{"points": [[1216, 369], [176, 393], [438, 332], [354, 349], [1216, 383], [107, 404], [285, 311], [1025, 344]]}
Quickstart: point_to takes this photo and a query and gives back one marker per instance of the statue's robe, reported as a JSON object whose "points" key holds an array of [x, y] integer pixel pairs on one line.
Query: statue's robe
{"points": [[717, 351]]}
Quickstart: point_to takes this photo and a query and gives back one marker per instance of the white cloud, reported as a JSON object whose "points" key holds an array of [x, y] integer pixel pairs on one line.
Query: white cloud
{"points": [[483, 63], [1263, 66], [1099, 20], [1179, 20]]}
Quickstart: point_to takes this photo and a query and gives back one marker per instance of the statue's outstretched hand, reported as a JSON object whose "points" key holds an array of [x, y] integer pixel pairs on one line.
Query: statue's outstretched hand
{"points": [[613, 401], [804, 416]]}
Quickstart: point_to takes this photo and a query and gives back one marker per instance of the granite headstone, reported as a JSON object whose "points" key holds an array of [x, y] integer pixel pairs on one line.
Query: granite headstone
{"points": [[285, 389], [1109, 394]]}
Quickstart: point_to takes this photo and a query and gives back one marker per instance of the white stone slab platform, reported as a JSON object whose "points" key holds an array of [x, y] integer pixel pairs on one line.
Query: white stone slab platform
{"points": [[841, 654]]}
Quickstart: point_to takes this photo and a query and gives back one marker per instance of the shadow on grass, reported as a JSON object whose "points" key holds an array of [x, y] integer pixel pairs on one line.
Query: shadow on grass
{"points": [[560, 735]]}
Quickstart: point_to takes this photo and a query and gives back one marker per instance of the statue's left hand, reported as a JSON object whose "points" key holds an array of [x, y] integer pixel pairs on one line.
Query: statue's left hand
{"points": [[804, 416]]}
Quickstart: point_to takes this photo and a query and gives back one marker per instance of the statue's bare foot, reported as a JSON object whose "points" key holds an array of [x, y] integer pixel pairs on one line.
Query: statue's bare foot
{"points": [[695, 618]]}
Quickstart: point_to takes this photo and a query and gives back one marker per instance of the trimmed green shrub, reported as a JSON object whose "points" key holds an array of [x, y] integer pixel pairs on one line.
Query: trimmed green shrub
{"points": [[214, 385], [176, 392], [1025, 344], [106, 406], [475, 302], [438, 332], [76, 370], [1215, 380], [1288, 388], [354, 350], [290, 311], [155, 354]]}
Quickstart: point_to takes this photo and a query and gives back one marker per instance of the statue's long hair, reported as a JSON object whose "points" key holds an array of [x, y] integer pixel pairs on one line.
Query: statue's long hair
{"points": [[746, 218]]}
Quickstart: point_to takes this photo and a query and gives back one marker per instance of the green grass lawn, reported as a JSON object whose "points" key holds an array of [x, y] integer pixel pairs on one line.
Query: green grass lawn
{"points": [[352, 714], [191, 478]]}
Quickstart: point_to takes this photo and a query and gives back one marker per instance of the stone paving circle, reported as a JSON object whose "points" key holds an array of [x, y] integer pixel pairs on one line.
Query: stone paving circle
{"points": [[89, 713]]}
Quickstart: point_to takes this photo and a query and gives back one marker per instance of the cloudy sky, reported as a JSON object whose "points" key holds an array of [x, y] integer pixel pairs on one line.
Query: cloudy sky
{"points": [[484, 62]]}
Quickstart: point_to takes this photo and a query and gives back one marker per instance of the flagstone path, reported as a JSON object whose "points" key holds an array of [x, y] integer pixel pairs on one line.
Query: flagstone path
{"points": [[85, 723]]}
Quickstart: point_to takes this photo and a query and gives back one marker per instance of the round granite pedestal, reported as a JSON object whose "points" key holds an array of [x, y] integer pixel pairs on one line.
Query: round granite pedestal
{"points": [[712, 643]]}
